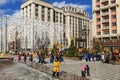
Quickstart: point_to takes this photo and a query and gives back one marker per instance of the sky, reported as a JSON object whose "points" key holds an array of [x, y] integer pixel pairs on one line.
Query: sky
{"points": [[12, 7]]}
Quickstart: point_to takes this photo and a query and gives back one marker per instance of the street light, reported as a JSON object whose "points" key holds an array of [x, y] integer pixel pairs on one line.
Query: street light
{"points": [[1, 21], [5, 37]]}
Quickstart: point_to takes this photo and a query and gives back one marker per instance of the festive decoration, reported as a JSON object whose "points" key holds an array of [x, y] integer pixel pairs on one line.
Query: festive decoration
{"points": [[115, 51]]}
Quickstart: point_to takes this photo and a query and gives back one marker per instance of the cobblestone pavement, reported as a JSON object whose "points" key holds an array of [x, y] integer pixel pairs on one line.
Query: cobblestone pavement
{"points": [[19, 71], [98, 70]]}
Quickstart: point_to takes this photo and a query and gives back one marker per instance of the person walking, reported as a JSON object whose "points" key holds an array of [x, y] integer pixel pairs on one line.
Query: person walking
{"points": [[31, 57], [42, 58], [56, 68], [87, 57], [103, 57], [51, 58], [88, 70], [83, 70], [25, 57], [113, 59], [119, 55], [39, 58], [19, 57]]}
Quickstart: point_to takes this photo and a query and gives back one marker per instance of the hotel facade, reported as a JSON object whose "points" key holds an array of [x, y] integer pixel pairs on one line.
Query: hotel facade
{"points": [[72, 17], [106, 22]]}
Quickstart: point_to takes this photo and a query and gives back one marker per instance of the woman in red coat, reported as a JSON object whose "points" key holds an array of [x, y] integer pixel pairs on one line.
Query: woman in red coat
{"points": [[19, 57]]}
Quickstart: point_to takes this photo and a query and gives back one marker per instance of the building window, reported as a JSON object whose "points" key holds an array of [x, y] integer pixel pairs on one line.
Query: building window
{"points": [[98, 33], [98, 26], [98, 6], [43, 13], [113, 23], [105, 25], [114, 39], [114, 31], [105, 11], [113, 16], [105, 3], [113, 9], [98, 19], [48, 14], [106, 40], [36, 14], [48, 18], [106, 32], [43, 17], [36, 5], [113, 1], [97, 0], [106, 17], [98, 13]]}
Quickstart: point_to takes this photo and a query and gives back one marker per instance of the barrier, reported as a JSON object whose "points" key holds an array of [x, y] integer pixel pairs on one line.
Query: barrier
{"points": [[7, 59]]}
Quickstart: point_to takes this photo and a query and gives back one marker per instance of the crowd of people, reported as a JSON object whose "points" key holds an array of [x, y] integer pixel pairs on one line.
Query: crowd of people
{"points": [[105, 58], [57, 59]]}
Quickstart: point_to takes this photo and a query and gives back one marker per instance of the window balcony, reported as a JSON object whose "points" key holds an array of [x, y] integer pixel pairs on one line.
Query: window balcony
{"points": [[113, 5], [106, 33], [104, 1], [104, 7], [105, 13], [105, 27], [105, 20]]}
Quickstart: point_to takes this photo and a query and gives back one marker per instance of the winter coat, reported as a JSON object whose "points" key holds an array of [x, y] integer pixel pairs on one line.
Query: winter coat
{"points": [[83, 67], [19, 57], [56, 66]]}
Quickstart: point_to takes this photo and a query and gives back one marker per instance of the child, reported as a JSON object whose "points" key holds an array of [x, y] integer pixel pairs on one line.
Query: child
{"points": [[88, 70], [56, 68], [83, 70]]}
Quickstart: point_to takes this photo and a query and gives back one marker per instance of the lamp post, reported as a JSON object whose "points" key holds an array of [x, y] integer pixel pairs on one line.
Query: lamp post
{"points": [[1, 21], [5, 36]]}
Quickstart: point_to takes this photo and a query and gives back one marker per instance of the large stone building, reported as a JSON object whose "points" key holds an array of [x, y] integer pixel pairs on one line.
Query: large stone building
{"points": [[106, 22], [42, 25], [72, 17]]}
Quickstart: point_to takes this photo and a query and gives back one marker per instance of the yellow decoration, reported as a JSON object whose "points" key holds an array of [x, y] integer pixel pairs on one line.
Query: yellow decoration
{"points": [[55, 43], [4, 55], [97, 39], [59, 46], [115, 51], [71, 37], [80, 49]]}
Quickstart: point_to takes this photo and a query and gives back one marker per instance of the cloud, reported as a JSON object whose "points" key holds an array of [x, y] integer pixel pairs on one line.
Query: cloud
{"points": [[4, 11], [3, 2], [63, 3], [16, 13]]}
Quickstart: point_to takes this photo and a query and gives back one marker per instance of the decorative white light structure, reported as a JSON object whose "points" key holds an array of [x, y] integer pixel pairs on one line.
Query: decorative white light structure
{"points": [[33, 33]]}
